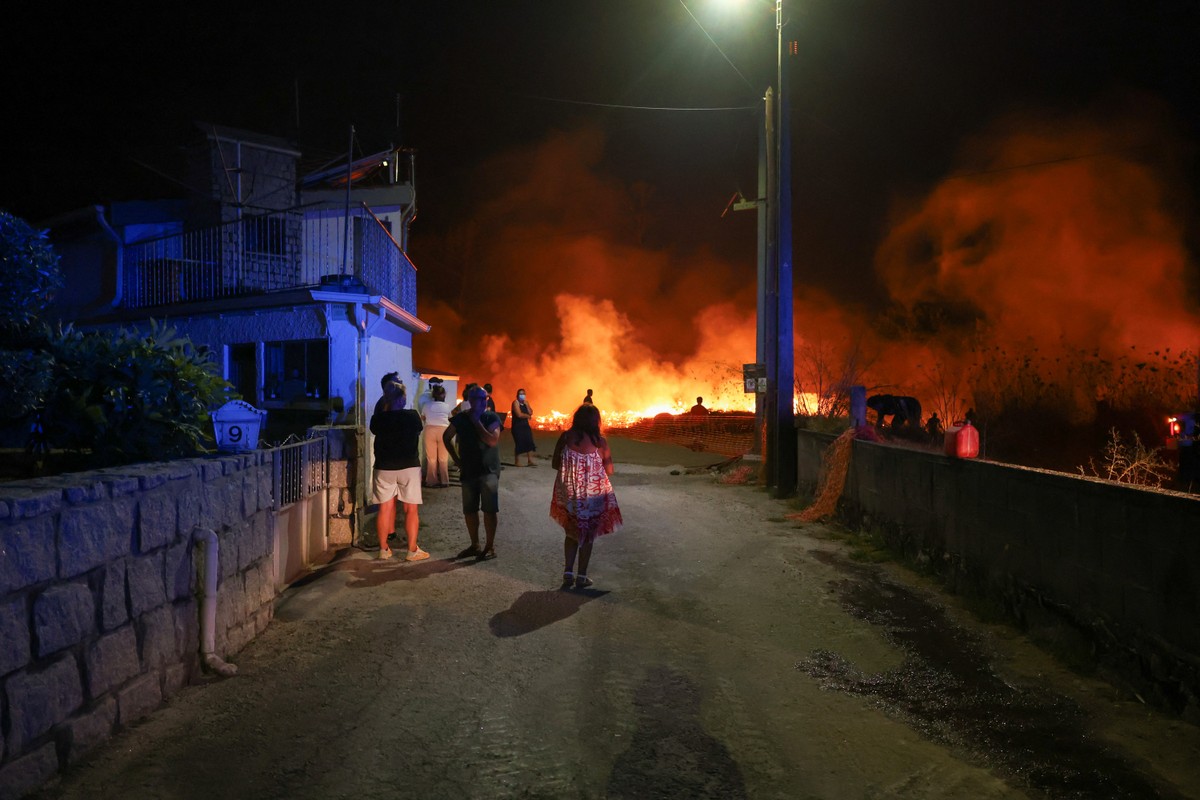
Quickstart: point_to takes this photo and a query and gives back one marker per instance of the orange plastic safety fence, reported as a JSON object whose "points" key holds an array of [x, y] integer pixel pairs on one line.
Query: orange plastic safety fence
{"points": [[836, 465], [727, 435]]}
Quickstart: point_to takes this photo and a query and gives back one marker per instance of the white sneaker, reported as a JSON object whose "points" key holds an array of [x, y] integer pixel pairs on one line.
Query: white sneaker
{"points": [[417, 555], [384, 555]]}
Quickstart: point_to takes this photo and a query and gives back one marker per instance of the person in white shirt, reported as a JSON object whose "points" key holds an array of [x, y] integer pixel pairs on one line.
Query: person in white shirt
{"points": [[437, 460]]}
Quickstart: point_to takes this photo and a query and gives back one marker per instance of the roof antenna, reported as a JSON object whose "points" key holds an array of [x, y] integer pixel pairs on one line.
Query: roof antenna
{"points": [[349, 183]]}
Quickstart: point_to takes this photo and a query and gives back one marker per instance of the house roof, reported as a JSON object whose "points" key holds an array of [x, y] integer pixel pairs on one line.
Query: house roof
{"points": [[426, 374], [224, 132]]}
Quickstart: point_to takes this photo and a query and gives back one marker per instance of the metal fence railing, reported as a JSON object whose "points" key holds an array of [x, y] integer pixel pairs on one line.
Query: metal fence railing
{"points": [[269, 253], [300, 470]]}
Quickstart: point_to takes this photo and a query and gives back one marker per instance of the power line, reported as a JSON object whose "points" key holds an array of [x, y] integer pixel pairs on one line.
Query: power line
{"points": [[635, 108], [1049, 162], [714, 44]]}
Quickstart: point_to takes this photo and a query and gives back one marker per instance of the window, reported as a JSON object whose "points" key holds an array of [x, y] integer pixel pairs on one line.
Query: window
{"points": [[243, 371], [296, 370], [266, 235]]}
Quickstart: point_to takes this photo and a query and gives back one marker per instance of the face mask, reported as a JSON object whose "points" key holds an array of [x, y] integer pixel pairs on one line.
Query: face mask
{"points": [[521, 396]]}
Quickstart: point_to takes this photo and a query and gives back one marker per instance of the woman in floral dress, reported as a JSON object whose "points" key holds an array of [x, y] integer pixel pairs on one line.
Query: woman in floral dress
{"points": [[584, 502]]}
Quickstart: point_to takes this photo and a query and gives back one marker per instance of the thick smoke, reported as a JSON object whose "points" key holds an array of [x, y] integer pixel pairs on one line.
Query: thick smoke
{"points": [[557, 295], [1059, 253], [1055, 258]]}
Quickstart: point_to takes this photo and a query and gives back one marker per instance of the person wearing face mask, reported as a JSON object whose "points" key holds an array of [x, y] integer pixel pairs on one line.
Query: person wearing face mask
{"points": [[522, 433]]}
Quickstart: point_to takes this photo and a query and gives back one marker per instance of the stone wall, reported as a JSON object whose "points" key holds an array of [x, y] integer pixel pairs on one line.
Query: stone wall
{"points": [[99, 609], [344, 451], [1104, 571]]}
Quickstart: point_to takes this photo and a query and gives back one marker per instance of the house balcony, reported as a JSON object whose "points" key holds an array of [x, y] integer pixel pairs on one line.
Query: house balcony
{"points": [[270, 253]]}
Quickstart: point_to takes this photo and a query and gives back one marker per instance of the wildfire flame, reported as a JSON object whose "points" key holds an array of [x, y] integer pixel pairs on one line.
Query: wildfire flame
{"points": [[1072, 274]]}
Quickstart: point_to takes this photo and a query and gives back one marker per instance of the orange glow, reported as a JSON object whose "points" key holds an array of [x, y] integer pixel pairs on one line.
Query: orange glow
{"points": [[1066, 277]]}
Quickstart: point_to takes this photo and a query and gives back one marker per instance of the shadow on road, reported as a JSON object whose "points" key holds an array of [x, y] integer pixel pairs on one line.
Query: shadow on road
{"points": [[534, 610], [671, 754], [365, 573], [368, 574]]}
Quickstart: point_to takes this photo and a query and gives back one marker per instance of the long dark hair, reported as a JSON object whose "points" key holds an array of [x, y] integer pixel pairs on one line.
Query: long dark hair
{"points": [[586, 422]]}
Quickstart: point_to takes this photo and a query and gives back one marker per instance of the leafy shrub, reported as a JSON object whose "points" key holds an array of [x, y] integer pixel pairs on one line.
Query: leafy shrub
{"points": [[123, 396], [29, 273], [29, 277]]}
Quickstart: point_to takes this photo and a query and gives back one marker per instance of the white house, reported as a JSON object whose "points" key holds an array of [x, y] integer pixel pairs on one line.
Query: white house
{"points": [[301, 288], [299, 284]]}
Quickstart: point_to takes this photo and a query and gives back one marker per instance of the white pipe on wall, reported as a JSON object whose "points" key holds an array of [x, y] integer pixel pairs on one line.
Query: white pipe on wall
{"points": [[208, 612]]}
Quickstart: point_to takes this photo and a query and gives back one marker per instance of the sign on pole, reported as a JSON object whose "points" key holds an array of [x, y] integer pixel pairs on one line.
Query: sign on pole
{"points": [[754, 378]]}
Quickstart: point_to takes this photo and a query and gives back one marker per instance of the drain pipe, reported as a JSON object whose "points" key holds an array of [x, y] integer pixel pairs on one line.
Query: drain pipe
{"points": [[119, 279], [208, 612]]}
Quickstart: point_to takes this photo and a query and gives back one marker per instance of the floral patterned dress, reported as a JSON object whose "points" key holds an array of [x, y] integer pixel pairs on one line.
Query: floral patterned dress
{"points": [[584, 502]]}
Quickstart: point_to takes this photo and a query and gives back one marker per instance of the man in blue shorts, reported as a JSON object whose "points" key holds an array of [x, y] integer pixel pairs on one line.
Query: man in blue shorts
{"points": [[472, 440]]}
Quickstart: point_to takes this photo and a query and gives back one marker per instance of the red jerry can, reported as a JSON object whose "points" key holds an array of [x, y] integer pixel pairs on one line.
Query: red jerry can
{"points": [[962, 440]]}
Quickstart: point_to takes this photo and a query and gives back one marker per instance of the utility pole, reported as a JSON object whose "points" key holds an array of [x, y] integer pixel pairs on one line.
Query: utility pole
{"points": [[784, 376], [775, 327], [769, 289]]}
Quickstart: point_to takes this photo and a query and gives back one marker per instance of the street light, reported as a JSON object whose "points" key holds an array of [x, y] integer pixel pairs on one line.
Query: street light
{"points": [[775, 348]]}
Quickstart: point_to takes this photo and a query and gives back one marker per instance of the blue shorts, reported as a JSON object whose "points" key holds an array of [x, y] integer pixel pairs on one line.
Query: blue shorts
{"points": [[481, 491]]}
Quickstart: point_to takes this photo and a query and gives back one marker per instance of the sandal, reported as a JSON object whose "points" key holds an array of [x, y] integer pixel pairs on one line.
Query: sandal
{"points": [[582, 581], [473, 550], [568, 580], [486, 555]]}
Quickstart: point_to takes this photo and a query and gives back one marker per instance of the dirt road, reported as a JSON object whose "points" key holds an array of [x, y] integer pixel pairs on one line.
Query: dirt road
{"points": [[722, 653]]}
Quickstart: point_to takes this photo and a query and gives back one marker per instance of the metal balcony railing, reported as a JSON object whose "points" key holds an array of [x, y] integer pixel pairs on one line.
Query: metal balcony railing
{"points": [[269, 253]]}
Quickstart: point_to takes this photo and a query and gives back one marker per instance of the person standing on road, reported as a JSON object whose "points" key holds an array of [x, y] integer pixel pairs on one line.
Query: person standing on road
{"points": [[437, 460], [584, 503], [473, 439], [522, 433], [397, 469]]}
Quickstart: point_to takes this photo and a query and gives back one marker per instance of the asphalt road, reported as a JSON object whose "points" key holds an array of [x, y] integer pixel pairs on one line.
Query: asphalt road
{"points": [[722, 653]]}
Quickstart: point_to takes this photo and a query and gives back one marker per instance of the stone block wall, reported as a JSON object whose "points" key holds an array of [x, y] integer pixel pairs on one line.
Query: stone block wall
{"points": [[1109, 571], [99, 607], [344, 445]]}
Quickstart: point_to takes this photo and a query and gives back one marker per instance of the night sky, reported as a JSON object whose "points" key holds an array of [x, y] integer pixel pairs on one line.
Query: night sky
{"points": [[505, 100]]}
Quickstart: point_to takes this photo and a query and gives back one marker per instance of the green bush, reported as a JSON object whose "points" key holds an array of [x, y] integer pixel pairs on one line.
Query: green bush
{"points": [[123, 396], [29, 277], [29, 274]]}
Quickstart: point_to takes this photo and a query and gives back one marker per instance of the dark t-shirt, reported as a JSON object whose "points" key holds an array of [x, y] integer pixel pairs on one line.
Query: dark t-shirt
{"points": [[476, 458], [396, 437]]}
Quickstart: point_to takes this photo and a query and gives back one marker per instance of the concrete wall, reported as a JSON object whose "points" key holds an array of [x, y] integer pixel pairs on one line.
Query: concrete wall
{"points": [[1099, 567], [99, 617]]}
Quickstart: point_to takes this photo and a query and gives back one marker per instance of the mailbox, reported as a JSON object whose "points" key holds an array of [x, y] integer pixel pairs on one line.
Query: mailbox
{"points": [[236, 425]]}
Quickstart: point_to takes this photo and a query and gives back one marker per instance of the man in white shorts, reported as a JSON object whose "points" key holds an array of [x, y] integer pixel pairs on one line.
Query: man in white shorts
{"points": [[397, 471]]}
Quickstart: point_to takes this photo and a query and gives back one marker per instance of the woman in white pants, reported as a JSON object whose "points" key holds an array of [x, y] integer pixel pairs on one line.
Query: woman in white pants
{"points": [[437, 460]]}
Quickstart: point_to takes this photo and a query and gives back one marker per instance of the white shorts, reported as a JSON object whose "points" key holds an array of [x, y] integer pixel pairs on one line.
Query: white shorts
{"points": [[403, 484]]}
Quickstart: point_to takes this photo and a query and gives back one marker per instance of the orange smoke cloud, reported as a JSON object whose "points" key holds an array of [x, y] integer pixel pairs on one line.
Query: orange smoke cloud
{"points": [[559, 295], [1083, 250], [1059, 245], [1059, 241]]}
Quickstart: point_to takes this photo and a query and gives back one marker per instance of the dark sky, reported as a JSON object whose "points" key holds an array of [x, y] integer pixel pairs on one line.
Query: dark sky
{"points": [[885, 94]]}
